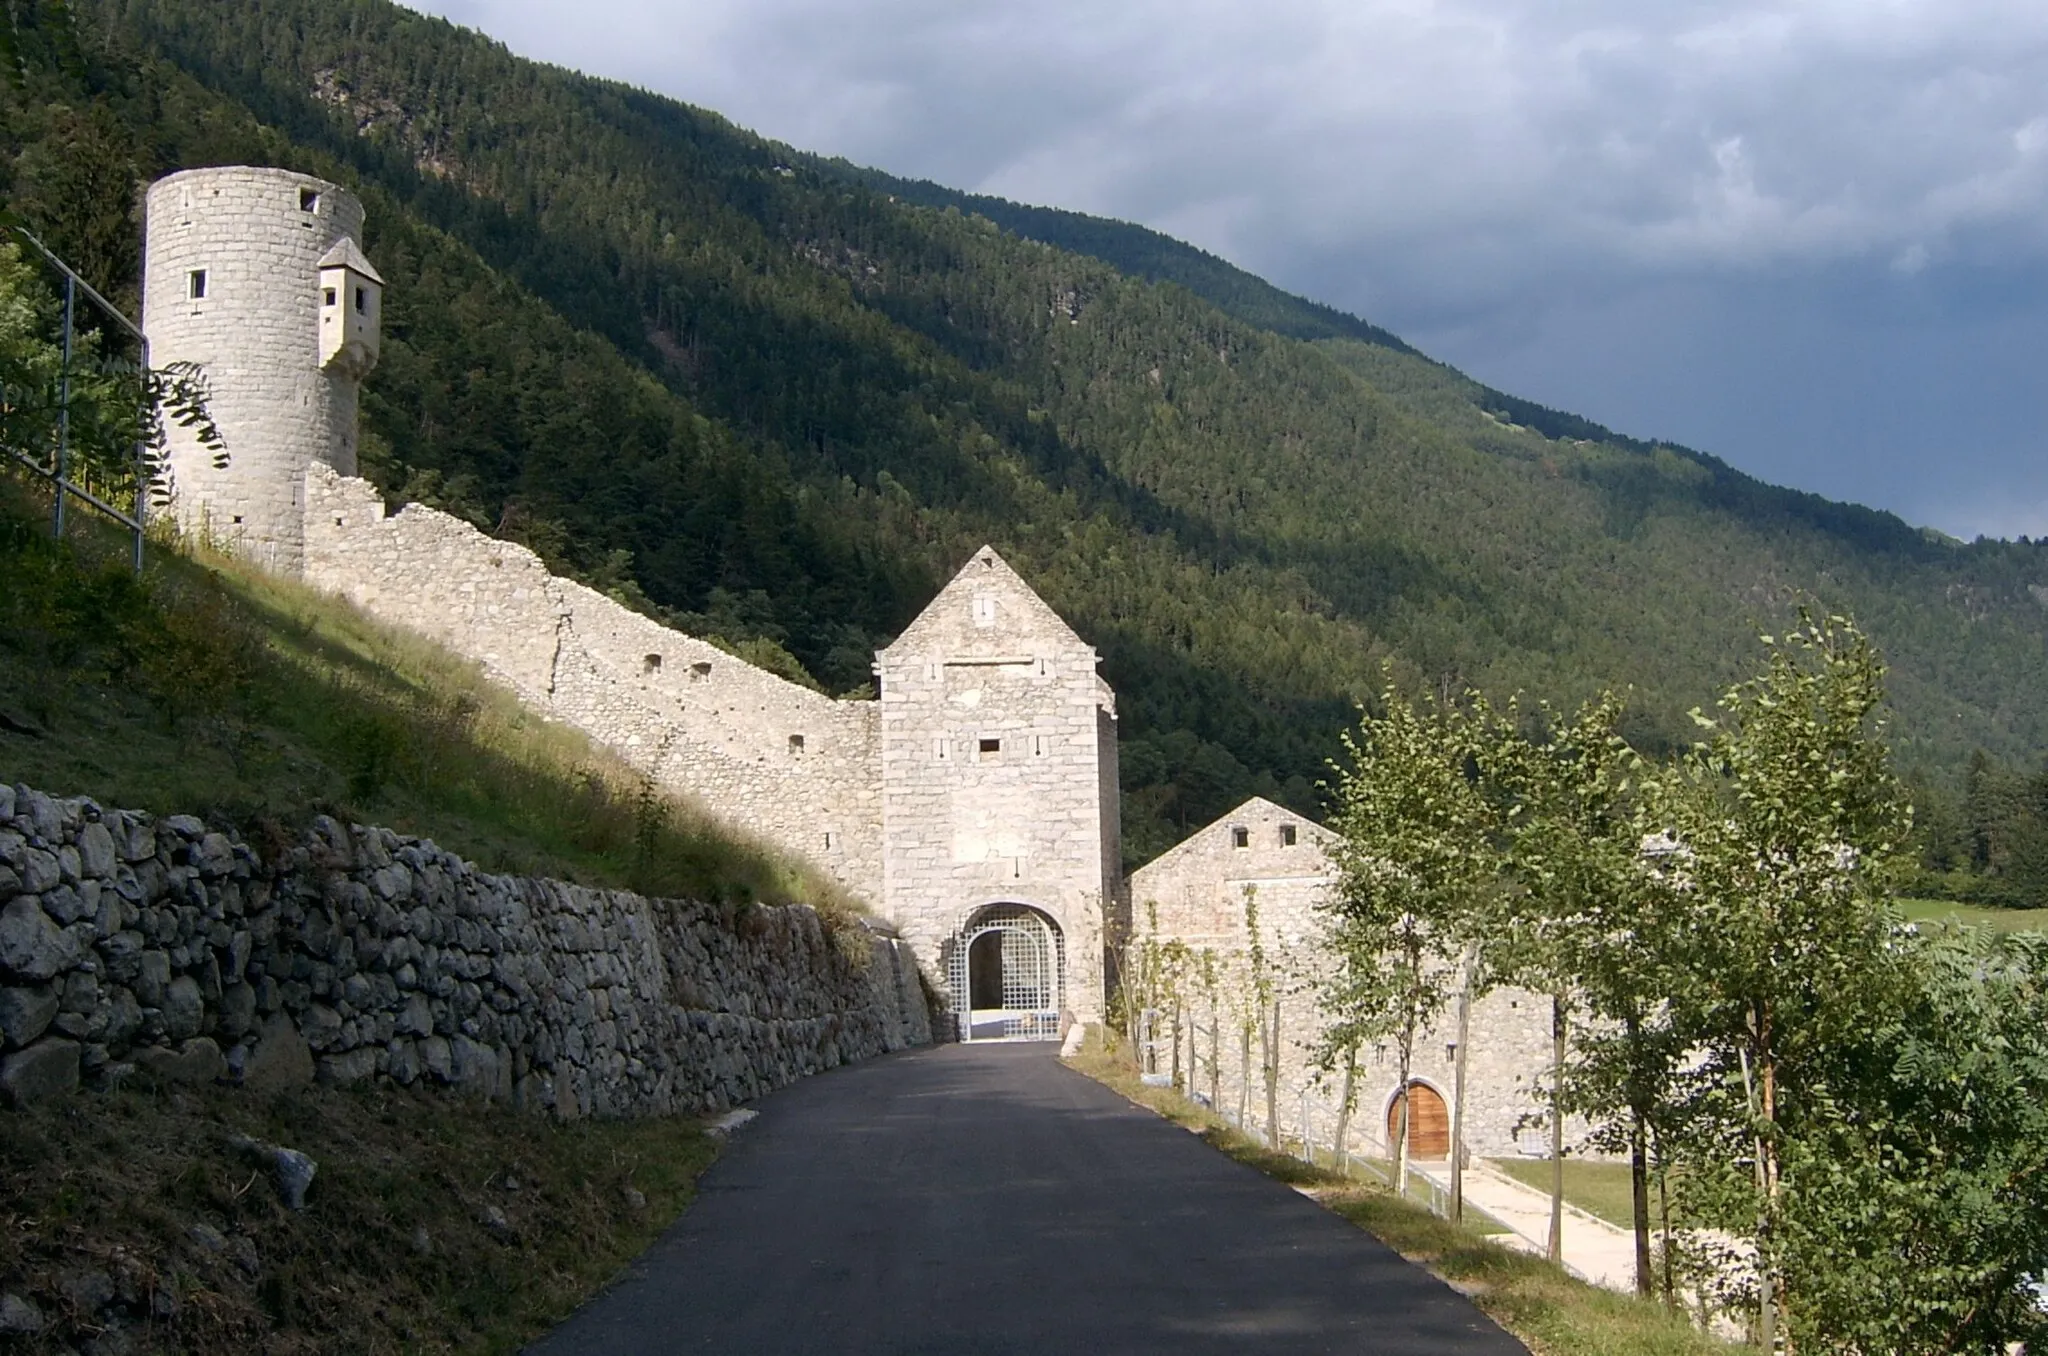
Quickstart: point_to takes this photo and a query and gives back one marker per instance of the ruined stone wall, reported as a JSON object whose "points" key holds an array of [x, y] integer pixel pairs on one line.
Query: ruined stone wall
{"points": [[773, 760], [1196, 894], [257, 235], [128, 941], [997, 739]]}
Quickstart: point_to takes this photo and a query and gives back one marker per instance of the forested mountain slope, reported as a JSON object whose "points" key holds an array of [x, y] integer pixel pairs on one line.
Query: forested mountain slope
{"points": [[777, 398]]}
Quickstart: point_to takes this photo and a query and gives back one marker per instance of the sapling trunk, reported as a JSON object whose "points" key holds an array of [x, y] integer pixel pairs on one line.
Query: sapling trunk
{"points": [[1555, 1248], [1272, 1053]]}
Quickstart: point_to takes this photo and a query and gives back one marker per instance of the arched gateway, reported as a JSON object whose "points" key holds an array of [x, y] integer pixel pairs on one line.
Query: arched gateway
{"points": [[1007, 969]]}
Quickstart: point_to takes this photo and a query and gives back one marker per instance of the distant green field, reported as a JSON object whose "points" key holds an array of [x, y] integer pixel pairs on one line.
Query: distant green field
{"points": [[1947, 911], [1597, 1188]]}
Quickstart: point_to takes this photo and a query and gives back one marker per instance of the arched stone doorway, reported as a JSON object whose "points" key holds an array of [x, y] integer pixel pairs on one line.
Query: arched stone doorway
{"points": [[1429, 1125], [1008, 974]]}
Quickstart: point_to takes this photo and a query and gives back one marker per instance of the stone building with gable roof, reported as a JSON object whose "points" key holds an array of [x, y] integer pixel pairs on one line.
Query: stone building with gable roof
{"points": [[1196, 894]]}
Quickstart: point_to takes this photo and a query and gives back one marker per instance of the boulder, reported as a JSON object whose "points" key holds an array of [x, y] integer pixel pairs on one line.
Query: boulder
{"points": [[42, 1071], [196, 1061], [26, 1013], [281, 1059], [32, 946]]}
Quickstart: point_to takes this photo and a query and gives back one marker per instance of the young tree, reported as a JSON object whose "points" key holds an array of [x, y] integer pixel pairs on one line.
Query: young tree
{"points": [[1570, 847], [1412, 861], [1789, 825]]}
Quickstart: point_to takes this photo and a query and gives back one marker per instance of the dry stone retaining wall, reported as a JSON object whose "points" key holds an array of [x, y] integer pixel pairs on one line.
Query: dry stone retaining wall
{"points": [[128, 941]]}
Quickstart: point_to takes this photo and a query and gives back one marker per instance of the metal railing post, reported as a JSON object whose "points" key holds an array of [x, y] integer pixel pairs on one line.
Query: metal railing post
{"points": [[64, 403]]}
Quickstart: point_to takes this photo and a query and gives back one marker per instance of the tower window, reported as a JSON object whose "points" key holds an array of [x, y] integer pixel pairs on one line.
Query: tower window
{"points": [[700, 670], [796, 745], [1286, 835], [327, 296], [309, 200], [1240, 837], [362, 299], [195, 284], [651, 665], [991, 746]]}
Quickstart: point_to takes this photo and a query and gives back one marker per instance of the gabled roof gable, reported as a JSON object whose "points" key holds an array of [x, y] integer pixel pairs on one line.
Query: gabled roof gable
{"points": [[1215, 836], [349, 255], [987, 609]]}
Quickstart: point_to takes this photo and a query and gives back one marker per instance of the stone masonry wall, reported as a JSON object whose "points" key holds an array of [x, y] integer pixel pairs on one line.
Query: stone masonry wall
{"points": [[793, 767], [256, 331], [128, 941], [997, 765], [1195, 894]]}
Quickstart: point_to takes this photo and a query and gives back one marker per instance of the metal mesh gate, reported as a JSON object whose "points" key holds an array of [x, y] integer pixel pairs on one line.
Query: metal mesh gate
{"points": [[1008, 975]]}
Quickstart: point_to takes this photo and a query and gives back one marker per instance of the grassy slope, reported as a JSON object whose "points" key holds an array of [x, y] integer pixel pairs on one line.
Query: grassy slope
{"points": [[1597, 1188], [116, 1183], [215, 689], [1550, 1311]]}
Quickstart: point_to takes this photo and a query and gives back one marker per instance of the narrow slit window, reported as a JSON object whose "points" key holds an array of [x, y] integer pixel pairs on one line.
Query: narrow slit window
{"points": [[1240, 837], [939, 750], [1286, 835], [362, 299], [651, 665], [1038, 746], [195, 284], [828, 840], [309, 200]]}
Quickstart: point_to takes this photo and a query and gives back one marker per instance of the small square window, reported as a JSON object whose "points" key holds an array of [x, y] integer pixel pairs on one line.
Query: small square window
{"points": [[309, 200], [1241, 837], [1286, 835], [650, 665], [796, 745], [700, 670], [326, 296], [195, 284], [989, 746]]}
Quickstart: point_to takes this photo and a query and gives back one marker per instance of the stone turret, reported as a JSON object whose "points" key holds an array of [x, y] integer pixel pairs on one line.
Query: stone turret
{"points": [[258, 277]]}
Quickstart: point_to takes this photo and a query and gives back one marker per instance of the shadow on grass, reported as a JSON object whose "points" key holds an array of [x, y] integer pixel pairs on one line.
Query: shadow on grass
{"points": [[210, 687]]}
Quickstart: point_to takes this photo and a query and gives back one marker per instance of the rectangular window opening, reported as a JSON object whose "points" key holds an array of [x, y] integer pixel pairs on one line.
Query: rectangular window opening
{"points": [[195, 284], [1286, 835], [1240, 837], [989, 746], [362, 299], [828, 840], [700, 670], [650, 665], [796, 744], [326, 296], [309, 200]]}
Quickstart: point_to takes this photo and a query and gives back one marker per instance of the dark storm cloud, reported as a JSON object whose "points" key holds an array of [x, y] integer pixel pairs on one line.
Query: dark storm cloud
{"points": [[1811, 238]]}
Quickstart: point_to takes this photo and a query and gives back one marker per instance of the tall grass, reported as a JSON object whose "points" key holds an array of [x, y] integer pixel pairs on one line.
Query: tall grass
{"points": [[213, 688]]}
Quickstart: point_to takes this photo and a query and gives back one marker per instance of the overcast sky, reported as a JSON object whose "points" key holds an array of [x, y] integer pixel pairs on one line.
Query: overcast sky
{"points": [[1810, 238]]}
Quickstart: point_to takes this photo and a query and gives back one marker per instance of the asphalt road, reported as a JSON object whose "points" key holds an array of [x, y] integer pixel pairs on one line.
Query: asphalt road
{"points": [[983, 1200]]}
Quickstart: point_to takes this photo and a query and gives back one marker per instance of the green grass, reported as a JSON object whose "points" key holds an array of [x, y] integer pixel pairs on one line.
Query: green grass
{"points": [[212, 688], [1947, 911], [1600, 1189], [1549, 1310], [394, 1251]]}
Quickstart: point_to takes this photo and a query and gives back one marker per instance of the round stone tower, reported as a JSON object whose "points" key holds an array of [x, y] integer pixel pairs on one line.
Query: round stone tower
{"points": [[258, 276]]}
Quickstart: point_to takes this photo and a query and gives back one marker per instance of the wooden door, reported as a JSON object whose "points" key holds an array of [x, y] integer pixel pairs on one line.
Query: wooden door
{"points": [[1429, 1129]]}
